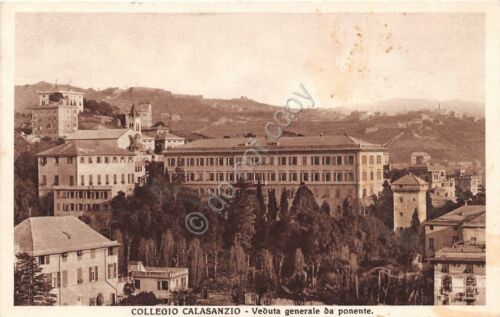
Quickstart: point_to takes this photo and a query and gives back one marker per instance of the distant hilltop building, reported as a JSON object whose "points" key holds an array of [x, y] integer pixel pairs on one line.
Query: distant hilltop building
{"points": [[140, 116], [56, 115], [80, 263], [409, 197], [419, 157]]}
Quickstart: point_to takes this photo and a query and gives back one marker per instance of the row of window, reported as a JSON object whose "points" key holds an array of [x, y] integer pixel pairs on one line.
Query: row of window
{"points": [[106, 180], [264, 160], [469, 268], [56, 281], [90, 159], [45, 259], [79, 207], [82, 194], [163, 285], [303, 176]]}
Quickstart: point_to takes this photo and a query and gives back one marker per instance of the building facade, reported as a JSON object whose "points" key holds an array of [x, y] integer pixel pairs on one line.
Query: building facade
{"points": [[56, 115], [140, 116], [441, 185], [419, 157], [460, 275], [409, 195], [465, 223], [333, 167], [468, 182], [85, 175], [81, 264], [161, 281]]}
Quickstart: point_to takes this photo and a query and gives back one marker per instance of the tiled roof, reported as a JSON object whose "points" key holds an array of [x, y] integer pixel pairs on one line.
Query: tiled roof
{"points": [[97, 134], [307, 142], [477, 222], [461, 253], [84, 148], [50, 235], [409, 179], [459, 215]]}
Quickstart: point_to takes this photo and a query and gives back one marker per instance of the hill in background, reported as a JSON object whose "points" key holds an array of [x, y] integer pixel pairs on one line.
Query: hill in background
{"points": [[192, 116]]}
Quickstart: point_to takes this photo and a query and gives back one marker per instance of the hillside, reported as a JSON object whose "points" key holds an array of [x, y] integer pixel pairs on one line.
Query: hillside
{"points": [[194, 117]]}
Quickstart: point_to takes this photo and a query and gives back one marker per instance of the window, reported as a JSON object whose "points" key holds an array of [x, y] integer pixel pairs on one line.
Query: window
{"points": [[56, 160], [56, 279], [122, 159], [379, 159], [371, 175], [292, 160], [314, 160], [44, 259], [445, 268], [64, 278], [363, 159], [91, 181], [107, 179], [69, 160], [162, 285], [56, 180], [93, 273], [44, 180], [431, 244], [137, 284], [115, 159], [111, 251], [98, 160], [90, 159], [79, 254], [371, 160], [379, 175], [98, 179], [469, 268], [470, 289], [350, 160], [106, 159], [339, 160], [363, 175], [282, 160], [446, 284], [79, 275], [92, 253], [112, 270], [283, 177]]}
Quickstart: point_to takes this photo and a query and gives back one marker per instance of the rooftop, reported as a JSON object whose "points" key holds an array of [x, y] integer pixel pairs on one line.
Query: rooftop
{"points": [[69, 92], [84, 148], [410, 179], [307, 142], [136, 268], [462, 252], [51, 235], [97, 134], [460, 215]]}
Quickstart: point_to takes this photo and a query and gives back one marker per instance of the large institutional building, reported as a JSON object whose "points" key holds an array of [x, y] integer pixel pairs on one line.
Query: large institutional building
{"points": [[81, 264], [85, 174], [333, 167], [56, 115]]}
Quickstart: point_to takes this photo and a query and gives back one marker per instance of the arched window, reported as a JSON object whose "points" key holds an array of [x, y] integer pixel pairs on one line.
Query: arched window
{"points": [[470, 286], [446, 284]]}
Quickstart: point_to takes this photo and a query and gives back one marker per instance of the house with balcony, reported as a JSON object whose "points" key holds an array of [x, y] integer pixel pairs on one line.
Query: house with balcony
{"points": [[162, 281]]}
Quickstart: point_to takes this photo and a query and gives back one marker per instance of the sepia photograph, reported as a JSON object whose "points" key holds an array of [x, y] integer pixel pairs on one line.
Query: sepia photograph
{"points": [[244, 162]]}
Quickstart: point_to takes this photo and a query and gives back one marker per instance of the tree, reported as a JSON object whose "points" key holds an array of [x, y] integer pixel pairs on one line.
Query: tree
{"points": [[141, 299], [196, 263], [31, 288], [283, 204], [325, 208], [238, 264], [304, 200], [415, 222], [272, 206]]}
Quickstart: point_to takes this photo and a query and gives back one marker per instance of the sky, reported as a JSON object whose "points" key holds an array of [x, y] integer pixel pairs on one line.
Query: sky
{"points": [[341, 59]]}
